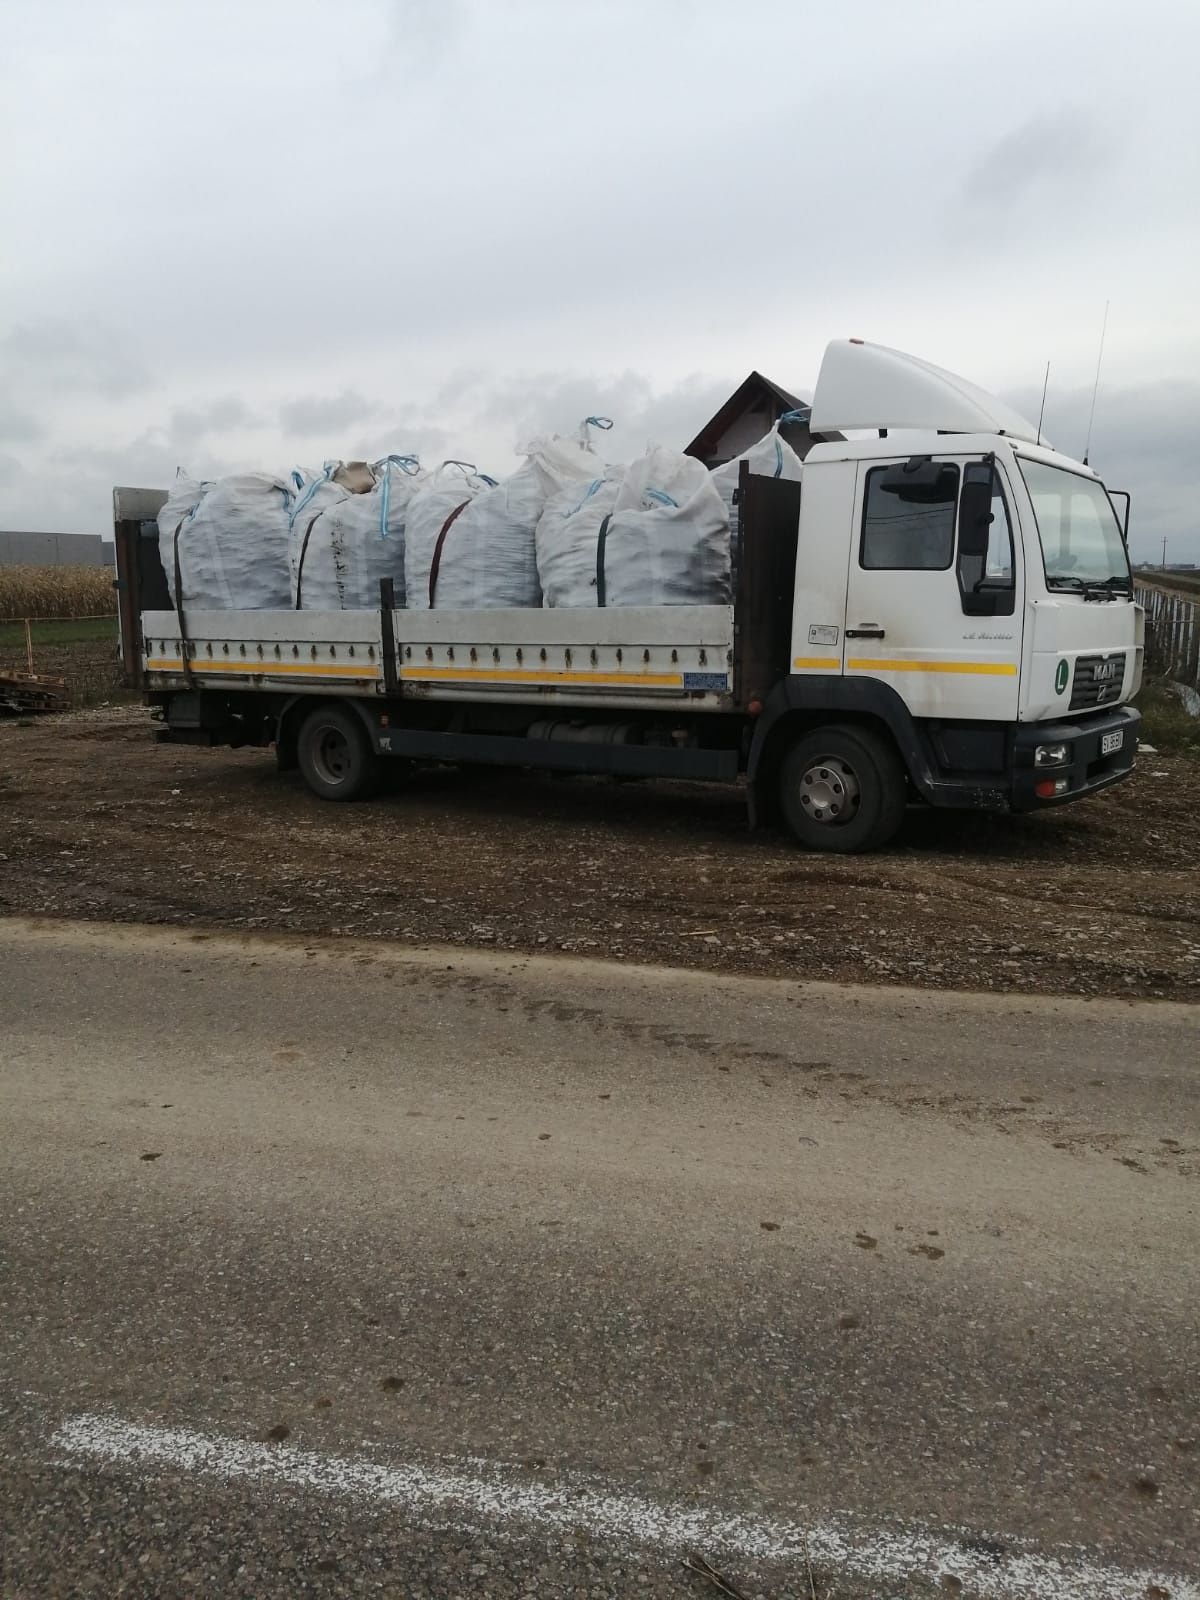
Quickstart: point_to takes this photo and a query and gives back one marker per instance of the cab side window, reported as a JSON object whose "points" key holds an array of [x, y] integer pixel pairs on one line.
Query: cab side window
{"points": [[908, 522]]}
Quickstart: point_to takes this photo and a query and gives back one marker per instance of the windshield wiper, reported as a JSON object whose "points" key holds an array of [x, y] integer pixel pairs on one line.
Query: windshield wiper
{"points": [[1088, 587]]}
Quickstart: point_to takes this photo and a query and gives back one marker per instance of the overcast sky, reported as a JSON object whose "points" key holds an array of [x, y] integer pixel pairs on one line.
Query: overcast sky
{"points": [[271, 232]]}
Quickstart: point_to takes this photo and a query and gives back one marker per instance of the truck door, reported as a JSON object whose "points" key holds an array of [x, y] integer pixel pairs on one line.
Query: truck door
{"points": [[931, 588]]}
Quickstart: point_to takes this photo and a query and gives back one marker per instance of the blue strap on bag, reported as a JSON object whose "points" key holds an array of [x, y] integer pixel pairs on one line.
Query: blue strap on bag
{"points": [[298, 507], [407, 464]]}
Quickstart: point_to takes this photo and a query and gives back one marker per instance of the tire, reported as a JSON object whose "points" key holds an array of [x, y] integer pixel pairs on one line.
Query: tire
{"points": [[843, 789], [335, 757]]}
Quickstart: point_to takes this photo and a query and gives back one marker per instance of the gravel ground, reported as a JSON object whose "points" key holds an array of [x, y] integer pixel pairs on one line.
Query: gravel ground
{"points": [[1100, 898]]}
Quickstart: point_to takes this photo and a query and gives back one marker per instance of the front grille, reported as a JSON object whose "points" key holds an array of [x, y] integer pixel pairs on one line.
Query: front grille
{"points": [[1098, 681]]}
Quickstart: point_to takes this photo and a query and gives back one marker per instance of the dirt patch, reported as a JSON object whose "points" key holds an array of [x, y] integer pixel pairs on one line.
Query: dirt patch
{"points": [[1100, 898]]}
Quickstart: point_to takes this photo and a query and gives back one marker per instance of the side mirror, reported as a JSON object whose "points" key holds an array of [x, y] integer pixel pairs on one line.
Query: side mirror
{"points": [[975, 516], [922, 481]]}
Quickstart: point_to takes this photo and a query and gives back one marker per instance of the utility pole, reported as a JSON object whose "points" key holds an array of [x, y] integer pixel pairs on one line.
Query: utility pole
{"points": [[1164, 559]]}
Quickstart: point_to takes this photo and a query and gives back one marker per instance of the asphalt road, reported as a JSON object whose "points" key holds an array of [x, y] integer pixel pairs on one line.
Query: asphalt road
{"points": [[337, 1269]]}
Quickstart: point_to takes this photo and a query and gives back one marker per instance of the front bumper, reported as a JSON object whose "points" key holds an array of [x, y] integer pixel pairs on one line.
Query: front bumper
{"points": [[1087, 768]]}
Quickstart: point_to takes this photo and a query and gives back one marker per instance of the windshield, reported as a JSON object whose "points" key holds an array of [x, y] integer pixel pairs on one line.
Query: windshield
{"points": [[1081, 539]]}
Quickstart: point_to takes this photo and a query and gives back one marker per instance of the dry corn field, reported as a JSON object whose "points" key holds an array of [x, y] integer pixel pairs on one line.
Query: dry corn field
{"points": [[56, 592]]}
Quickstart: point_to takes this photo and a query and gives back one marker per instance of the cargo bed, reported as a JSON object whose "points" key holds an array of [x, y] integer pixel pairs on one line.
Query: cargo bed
{"points": [[653, 658], [662, 658]]}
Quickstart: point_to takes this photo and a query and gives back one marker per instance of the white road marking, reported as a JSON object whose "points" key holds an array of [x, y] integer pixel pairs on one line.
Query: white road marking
{"points": [[467, 1494]]}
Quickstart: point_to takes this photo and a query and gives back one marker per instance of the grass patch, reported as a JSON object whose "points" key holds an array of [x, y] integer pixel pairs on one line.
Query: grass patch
{"points": [[85, 630], [1166, 721]]}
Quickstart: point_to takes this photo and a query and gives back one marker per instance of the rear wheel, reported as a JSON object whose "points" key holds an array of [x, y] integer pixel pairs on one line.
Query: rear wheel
{"points": [[335, 755], [843, 789]]}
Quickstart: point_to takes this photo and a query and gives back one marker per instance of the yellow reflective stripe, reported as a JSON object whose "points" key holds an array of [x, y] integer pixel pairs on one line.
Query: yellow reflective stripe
{"points": [[807, 663], [269, 669], [994, 669], [518, 676], [515, 676]]}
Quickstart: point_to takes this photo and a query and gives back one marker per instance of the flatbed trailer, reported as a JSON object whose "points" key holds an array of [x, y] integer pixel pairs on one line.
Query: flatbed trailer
{"points": [[470, 685]]}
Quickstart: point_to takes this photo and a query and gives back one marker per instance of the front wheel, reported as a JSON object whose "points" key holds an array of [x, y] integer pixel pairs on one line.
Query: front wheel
{"points": [[335, 755], [843, 789]]}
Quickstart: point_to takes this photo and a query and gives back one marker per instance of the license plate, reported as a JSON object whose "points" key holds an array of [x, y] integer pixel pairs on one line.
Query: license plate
{"points": [[1111, 741]]}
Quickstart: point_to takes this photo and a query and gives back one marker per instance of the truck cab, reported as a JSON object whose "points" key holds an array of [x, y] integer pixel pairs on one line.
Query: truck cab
{"points": [[978, 603]]}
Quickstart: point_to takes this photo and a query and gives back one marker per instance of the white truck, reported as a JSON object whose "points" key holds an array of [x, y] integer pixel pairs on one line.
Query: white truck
{"points": [[940, 613]]}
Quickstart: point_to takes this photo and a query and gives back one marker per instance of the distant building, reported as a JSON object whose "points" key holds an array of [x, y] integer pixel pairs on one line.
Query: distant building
{"points": [[753, 409], [55, 550]]}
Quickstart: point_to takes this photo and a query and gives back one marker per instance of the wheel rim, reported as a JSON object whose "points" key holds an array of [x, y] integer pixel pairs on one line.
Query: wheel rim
{"points": [[830, 792], [332, 758]]}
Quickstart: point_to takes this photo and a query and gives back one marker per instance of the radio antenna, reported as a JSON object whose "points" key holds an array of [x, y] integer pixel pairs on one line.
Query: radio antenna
{"points": [[1042, 412], [1096, 386]]}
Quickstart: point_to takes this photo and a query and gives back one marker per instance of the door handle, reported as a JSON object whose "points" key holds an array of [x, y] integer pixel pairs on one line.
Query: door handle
{"points": [[864, 633]]}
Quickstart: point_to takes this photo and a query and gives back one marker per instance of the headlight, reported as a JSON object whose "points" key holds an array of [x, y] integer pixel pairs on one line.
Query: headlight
{"points": [[1052, 755]]}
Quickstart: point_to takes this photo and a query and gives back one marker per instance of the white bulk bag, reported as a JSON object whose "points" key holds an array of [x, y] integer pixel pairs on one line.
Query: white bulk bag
{"points": [[770, 457], [230, 537], [443, 496], [312, 494], [359, 539], [186, 494], [479, 550], [559, 463], [567, 536], [664, 541]]}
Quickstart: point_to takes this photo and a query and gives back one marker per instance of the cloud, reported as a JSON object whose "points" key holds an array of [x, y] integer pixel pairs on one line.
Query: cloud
{"points": [[313, 414], [642, 412], [424, 438], [70, 486], [1143, 441], [51, 353], [19, 427], [1056, 153], [426, 30], [447, 225], [225, 414], [486, 418]]}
